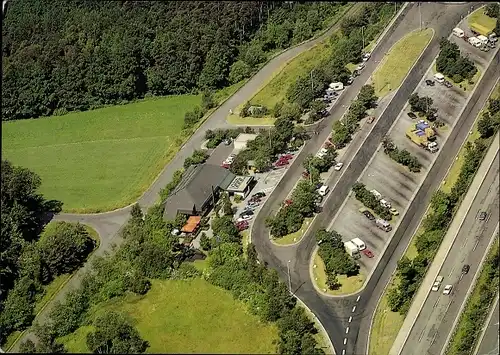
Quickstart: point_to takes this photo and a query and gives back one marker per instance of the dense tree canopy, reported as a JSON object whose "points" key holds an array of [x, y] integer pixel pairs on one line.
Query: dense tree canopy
{"points": [[61, 56]]}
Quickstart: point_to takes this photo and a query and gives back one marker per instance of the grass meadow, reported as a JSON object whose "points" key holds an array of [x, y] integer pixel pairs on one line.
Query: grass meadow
{"points": [[103, 159], [190, 316]]}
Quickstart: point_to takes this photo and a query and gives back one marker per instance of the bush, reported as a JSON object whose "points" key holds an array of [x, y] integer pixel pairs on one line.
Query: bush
{"points": [[369, 201], [402, 157], [198, 157], [451, 63], [176, 179]]}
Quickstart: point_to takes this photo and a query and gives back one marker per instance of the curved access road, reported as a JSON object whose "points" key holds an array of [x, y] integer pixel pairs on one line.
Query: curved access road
{"points": [[355, 312]]}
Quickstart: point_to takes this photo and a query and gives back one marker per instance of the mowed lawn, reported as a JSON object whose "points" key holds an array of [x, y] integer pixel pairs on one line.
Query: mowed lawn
{"points": [[102, 159], [397, 63], [188, 317], [480, 18]]}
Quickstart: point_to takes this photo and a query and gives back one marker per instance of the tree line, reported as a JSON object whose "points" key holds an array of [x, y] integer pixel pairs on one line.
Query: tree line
{"points": [[61, 56], [452, 64]]}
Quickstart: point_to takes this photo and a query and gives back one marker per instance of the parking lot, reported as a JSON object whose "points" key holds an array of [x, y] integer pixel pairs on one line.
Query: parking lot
{"points": [[394, 181]]}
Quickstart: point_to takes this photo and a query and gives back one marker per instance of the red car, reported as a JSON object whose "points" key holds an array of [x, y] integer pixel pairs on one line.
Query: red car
{"points": [[368, 253], [242, 225], [288, 202], [225, 165], [286, 157], [281, 163], [327, 144]]}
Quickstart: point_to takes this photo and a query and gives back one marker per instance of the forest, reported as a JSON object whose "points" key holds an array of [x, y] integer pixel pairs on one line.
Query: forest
{"points": [[61, 56]]}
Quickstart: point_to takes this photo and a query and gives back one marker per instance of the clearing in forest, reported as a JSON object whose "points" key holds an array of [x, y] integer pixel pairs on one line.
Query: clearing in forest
{"points": [[103, 159]]}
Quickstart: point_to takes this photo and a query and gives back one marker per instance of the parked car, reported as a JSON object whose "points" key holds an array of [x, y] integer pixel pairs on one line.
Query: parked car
{"points": [[448, 84], [369, 215], [394, 211], [253, 203], [412, 115], [338, 166], [370, 119], [447, 289], [225, 165], [254, 199], [250, 208], [242, 225], [246, 213], [244, 218], [305, 174], [350, 80], [228, 141], [259, 194], [482, 215], [319, 199], [288, 202], [286, 156], [360, 67], [281, 163], [366, 56], [465, 269], [368, 253], [430, 82], [437, 283]]}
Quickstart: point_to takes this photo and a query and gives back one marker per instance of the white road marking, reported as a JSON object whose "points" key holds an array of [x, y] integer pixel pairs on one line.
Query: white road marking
{"points": [[353, 309], [357, 299], [475, 245], [347, 330], [343, 351], [421, 335], [345, 341], [451, 272], [464, 244], [350, 319], [435, 304]]}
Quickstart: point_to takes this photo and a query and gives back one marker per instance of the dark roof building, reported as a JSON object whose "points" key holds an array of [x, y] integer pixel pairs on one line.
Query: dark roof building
{"points": [[196, 192]]}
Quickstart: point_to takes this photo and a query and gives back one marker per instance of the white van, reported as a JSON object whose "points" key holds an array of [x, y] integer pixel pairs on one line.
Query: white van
{"points": [[337, 86], [377, 194], [359, 243], [385, 203], [439, 77], [474, 41], [323, 190], [458, 32], [483, 39]]}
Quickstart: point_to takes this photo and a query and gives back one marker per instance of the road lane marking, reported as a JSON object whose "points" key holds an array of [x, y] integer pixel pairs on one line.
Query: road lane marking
{"points": [[448, 307], [357, 299], [464, 244], [353, 309], [421, 335], [347, 330], [345, 341], [435, 304], [343, 351], [350, 319], [475, 245], [451, 272]]}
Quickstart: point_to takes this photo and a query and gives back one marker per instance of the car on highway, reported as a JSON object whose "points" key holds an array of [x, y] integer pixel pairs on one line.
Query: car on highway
{"points": [[482, 215], [368, 253], [437, 283], [412, 115], [394, 211], [338, 166], [368, 215], [447, 289], [429, 82], [465, 269]]}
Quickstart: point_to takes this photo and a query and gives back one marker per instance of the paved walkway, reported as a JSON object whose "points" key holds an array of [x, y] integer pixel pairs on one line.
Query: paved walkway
{"points": [[433, 271]]}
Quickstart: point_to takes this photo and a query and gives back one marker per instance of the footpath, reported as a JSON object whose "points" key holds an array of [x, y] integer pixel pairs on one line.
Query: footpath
{"points": [[444, 249]]}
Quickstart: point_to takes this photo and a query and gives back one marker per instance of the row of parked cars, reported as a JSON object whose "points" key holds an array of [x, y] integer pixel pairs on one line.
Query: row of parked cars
{"points": [[244, 217]]}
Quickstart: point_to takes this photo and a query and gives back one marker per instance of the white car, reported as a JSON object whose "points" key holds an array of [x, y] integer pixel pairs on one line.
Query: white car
{"points": [[323, 190], [447, 289], [338, 166], [245, 217], [394, 211], [360, 67], [366, 56], [437, 283], [322, 153]]}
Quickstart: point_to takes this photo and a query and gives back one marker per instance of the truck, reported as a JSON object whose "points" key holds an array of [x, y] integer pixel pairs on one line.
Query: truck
{"points": [[352, 250], [359, 243], [423, 135], [483, 39], [383, 224]]}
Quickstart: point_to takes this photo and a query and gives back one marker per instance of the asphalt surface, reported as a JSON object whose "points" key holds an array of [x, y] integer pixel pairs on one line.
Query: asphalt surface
{"points": [[490, 343], [336, 313], [436, 318]]}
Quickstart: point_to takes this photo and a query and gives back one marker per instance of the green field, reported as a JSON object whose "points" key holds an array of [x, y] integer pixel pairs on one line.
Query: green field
{"points": [[480, 18], [397, 63], [188, 317], [102, 159], [349, 285]]}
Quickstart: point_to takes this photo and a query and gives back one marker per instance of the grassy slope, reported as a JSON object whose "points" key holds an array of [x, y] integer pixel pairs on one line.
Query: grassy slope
{"points": [[101, 159], [189, 317], [383, 336], [397, 63], [480, 18]]}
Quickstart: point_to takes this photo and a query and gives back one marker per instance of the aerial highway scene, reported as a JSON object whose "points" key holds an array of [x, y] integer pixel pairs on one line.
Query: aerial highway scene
{"points": [[250, 177]]}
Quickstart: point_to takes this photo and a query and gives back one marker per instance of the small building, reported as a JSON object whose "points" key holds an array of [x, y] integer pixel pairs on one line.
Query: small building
{"points": [[421, 132], [241, 141], [200, 189], [191, 225]]}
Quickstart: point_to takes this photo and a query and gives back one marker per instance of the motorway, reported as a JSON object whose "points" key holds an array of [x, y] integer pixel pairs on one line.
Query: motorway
{"points": [[436, 318], [336, 314], [490, 342]]}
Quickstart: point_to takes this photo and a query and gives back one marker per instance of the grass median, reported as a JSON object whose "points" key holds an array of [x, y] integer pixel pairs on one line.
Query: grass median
{"points": [[382, 336], [398, 61], [295, 237], [349, 285], [193, 316]]}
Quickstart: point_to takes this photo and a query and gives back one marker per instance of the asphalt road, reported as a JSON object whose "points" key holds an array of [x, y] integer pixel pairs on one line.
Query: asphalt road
{"points": [[436, 318], [334, 313], [490, 343]]}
